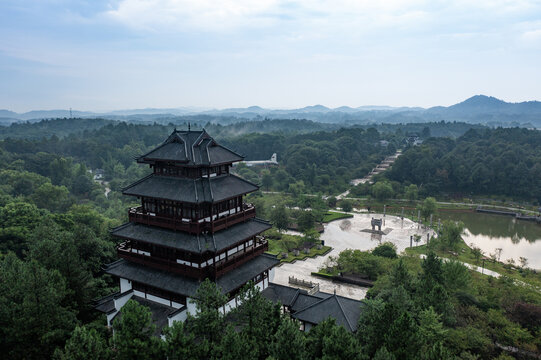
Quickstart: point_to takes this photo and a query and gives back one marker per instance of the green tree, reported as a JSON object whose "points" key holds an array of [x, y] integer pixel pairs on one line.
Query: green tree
{"points": [[180, 344], [382, 190], [266, 179], [432, 334], [134, 334], [412, 192], [296, 189], [373, 324], [400, 276], [208, 323], [331, 202], [383, 354], [456, 275], [402, 338], [84, 344], [17, 221], [82, 185], [346, 205], [386, 249], [341, 344], [451, 233], [288, 343], [279, 217], [33, 318], [51, 247], [282, 178], [312, 236], [305, 221], [428, 207], [316, 336], [235, 346], [258, 318]]}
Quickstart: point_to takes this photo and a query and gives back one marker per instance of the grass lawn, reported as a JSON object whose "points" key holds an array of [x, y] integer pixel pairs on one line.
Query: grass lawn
{"points": [[465, 255], [331, 216]]}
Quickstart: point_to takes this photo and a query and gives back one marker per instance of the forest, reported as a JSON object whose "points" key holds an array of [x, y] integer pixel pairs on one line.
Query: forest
{"points": [[500, 161], [54, 239]]}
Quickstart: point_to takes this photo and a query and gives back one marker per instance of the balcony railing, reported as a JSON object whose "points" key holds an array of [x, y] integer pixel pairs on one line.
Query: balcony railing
{"points": [[136, 214], [124, 250], [238, 259]]}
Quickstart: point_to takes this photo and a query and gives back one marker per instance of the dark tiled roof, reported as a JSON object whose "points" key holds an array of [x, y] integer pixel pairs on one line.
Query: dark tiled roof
{"points": [[279, 293], [189, 242], [106, 304], [246, 272], [318, 307], [190, 190], [345, 311], [303, 301], [191, 148], [186, 286], [177, 284]]}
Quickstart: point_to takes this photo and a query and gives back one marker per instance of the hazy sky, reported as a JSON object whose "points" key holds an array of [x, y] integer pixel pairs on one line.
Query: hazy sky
{"points": [[104, 55]]}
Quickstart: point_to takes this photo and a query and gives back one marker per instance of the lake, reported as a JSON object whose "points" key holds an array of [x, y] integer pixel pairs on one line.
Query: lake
{"points": [[516, 238]]}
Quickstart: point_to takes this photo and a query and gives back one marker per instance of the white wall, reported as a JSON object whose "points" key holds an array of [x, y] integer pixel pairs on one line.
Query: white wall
{"points": [[158, 300], [121, 301], [190, 305], [260, 285], [125, 285], [230, 305], [271, 275], [180, 316]]}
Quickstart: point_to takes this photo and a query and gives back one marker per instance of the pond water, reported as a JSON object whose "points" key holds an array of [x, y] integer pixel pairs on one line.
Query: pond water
{"points": [[489, 232]]}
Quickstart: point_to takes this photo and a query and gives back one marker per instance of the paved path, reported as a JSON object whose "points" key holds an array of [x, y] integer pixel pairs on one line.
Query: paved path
{"points": [[347, 234], [471, 267]]}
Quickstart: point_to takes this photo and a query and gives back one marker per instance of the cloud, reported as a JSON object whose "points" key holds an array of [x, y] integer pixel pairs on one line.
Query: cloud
{"points": [[208, 15], [532, 36], [201, 14]]}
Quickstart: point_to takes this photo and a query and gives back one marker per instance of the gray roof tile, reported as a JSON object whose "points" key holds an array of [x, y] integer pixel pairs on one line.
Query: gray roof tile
{"points": [[189, 242], [318, 307], [191, 148], [201, 190], [187, 286]]}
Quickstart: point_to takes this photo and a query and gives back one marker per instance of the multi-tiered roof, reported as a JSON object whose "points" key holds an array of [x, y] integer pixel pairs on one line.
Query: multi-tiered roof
{"points": [[192, 224]]}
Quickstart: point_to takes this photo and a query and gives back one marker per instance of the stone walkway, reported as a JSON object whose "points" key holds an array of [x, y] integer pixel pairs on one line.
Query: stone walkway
{"points": [[348, 234]]}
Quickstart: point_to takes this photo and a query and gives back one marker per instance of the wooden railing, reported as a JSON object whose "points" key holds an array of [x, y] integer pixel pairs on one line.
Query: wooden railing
{"points": [[125, 252], [136, 214], [229, 220], [237, 260]]}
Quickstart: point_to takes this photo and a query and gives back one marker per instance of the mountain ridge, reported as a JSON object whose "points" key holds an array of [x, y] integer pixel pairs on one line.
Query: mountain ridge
{"points": [[477, 108]]}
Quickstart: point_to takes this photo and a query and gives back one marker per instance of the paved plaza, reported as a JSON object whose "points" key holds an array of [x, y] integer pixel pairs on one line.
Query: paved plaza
{"points": [[349, 234]]}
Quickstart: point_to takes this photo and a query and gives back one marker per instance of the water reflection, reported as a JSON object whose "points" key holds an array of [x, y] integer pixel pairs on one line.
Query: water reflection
{"points": [[490, 232], [497, 225]]}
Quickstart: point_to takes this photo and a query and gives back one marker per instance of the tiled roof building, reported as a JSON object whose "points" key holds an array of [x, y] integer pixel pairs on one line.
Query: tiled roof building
{"points": [[192, 224]]}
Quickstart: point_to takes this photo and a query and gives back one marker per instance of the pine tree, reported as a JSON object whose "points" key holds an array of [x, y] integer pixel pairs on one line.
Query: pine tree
{"points": [[288, 342], [84, 344], [134, 334]]}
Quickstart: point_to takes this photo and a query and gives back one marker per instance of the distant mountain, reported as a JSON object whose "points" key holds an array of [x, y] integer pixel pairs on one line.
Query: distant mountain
{"points": [[489, 110], [7, 114], [314, 108], [478, 109]]}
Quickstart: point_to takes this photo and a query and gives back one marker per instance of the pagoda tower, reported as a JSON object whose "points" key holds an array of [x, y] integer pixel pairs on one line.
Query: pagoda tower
{"points": [[192, 224]]}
